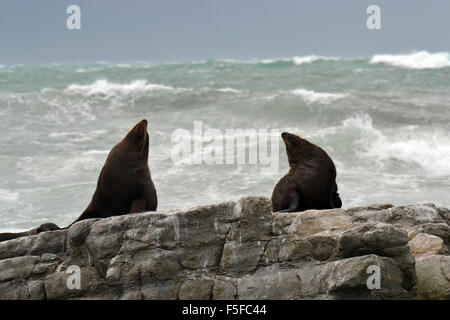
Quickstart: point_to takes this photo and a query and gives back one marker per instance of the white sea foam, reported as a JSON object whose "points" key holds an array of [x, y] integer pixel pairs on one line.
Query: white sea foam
{"points": [[74, 136], [310, 96], [297, 60], [95, 152], [428, 150], [57, 168], [90, 69], [7, 195], [310, 59], [104, 87], [416, 60], [269, 61], [359, 121], [231, 90], [120, 65]]}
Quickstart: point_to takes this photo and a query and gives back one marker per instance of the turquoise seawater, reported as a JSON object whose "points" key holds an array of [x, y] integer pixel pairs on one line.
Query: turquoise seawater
{"points": [[383, 119]]}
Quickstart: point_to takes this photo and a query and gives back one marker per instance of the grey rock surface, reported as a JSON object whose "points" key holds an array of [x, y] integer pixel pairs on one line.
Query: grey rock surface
{"points": [[237, 250]]}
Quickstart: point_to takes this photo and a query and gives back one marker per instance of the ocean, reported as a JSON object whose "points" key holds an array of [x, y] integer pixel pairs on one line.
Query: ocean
{"points": [[383, 119]]}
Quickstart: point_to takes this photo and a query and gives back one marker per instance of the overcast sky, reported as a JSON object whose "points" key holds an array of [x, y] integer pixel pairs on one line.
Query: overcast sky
{"points": [[187, 30]]}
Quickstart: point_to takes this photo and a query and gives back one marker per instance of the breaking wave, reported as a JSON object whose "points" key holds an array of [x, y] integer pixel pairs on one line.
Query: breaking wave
{"points": [[310, 96], [104, 87], [428, 151], [416, 60]]}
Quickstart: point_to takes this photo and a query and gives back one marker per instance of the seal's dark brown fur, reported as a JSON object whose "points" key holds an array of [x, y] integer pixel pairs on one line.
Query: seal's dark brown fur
{"points": [[124, 185], [311, 180]]}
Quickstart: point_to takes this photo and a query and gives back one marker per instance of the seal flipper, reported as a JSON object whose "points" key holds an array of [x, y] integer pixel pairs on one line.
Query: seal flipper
{"points": [[42, 228], [293, 203], [337, 202], [11, 235], [138, 205]]}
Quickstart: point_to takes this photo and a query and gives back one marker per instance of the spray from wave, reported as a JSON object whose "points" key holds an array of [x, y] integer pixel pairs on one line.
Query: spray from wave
{"points": [[424, 153]]}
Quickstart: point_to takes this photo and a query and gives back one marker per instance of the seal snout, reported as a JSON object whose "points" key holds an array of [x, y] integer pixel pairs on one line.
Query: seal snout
{"points": [[286, 136], [292, 138], [142, 125]]}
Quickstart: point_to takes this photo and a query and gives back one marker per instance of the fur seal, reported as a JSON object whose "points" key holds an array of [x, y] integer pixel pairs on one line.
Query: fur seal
{"points": [[124, 185], [311, 180]]}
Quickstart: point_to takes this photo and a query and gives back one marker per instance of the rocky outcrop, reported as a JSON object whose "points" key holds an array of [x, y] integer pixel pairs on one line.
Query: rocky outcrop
{"points": [[237, 251]]}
